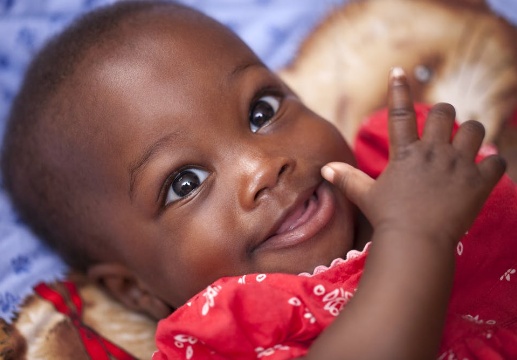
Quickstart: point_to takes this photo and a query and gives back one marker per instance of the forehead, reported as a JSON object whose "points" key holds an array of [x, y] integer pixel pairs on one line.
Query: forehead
{"points": [[153, 59], [174, 47], [172, 39]]}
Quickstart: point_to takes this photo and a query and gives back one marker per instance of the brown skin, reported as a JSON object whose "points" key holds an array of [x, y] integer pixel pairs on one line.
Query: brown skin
{"points": [[156, 87]]}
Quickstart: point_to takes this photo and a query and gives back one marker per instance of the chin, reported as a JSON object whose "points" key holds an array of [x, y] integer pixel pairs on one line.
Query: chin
{"points": [[318, 251]]}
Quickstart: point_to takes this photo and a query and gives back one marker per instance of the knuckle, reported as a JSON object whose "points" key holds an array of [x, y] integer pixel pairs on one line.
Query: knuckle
{"points": [[401, 153], [402, 113]]}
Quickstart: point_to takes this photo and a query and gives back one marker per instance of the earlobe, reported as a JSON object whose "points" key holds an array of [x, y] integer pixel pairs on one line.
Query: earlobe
{"points": [[117, 280], [121, 283]]}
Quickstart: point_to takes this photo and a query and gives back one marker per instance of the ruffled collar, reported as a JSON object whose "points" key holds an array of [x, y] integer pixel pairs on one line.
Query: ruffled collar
{"points": [[352, 254]]}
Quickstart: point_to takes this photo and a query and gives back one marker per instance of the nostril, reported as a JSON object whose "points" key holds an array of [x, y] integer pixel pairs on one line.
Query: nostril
{"points": [[282, 170], [257, 195], [262, 190]]}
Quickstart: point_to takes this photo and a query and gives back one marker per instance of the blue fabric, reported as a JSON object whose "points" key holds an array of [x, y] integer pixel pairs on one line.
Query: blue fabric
{"points": [[273, 28], [506, 8]]}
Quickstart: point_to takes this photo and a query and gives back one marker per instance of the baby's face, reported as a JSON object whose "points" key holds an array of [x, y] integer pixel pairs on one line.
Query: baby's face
{"points": [[209, 165]]}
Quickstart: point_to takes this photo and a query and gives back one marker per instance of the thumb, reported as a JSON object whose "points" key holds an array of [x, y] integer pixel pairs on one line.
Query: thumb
{"points": [[352, 182]]}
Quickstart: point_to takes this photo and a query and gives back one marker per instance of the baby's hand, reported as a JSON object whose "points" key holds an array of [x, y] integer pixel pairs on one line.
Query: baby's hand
{"points": [[432, 186], [420, 206]]}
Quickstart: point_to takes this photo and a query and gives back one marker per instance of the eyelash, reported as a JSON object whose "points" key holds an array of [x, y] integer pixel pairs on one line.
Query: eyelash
{"points": [[270, 89]]}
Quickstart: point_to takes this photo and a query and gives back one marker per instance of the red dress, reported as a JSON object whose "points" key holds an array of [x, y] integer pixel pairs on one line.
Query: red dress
{"points": [[278, 316]]}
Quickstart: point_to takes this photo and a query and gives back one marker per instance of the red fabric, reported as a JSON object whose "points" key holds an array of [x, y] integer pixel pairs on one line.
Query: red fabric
{"points": [[278, 316], [513, 119], [96, 346]]}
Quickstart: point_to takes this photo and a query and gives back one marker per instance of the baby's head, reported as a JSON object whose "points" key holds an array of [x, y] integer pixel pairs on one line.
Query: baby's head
{"points": [[155, 151]]}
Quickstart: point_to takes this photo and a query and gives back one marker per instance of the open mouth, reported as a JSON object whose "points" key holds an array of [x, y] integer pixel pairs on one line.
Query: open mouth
{"points": [[300, 215], [304, 220]]}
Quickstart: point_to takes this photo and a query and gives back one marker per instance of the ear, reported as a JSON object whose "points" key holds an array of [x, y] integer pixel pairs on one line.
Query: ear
{"points": [[121, 283]]}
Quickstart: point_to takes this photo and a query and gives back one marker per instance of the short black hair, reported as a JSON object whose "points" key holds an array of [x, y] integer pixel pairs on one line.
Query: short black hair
{"points": [[44, 197]]}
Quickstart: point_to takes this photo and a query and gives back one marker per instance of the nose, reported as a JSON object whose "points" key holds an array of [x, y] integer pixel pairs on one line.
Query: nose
{"points": [[261, 172]]}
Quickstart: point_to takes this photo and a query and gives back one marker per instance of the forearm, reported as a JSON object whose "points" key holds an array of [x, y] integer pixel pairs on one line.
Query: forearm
{"points": [[399, 308]]}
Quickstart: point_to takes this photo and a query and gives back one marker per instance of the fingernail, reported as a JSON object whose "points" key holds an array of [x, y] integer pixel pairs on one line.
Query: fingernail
{"points": [[328, 173], [397, 74]]}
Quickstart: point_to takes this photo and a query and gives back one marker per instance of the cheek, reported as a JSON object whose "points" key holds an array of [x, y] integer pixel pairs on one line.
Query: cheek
{"points": [[322, 140], [201, 249]]}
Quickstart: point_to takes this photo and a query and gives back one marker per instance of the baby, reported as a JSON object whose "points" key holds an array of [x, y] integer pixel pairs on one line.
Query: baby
{"points": [[155, 152]]}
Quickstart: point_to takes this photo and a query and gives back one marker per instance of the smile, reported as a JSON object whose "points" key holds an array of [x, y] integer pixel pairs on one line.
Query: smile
{"points": [[305, 219]]}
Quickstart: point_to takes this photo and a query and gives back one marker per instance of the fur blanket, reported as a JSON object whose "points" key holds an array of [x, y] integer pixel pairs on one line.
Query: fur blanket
{"points": [[41, 332]]}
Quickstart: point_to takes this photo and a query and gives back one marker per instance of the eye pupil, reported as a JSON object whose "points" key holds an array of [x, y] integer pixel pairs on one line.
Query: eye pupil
{"points": [[185, 183], [262, 113]]}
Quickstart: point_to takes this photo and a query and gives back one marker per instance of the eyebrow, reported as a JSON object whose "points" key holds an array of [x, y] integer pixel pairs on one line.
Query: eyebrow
{"points": [[136, 167], [239, 69]]}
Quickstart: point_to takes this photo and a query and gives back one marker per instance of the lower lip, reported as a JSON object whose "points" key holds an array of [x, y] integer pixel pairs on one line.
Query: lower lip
{"points": [[318, 215]]}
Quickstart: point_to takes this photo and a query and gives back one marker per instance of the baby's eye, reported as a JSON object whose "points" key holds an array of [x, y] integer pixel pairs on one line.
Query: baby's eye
{"points": [[184, 183], [262, 111]]}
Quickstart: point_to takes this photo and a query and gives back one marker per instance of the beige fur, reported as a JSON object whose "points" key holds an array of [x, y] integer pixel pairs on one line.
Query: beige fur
{"points": [[453, 51], [41, 333]]}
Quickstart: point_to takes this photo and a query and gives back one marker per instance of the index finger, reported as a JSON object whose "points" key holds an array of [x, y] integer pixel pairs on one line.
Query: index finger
{"points": [[402, 120]]}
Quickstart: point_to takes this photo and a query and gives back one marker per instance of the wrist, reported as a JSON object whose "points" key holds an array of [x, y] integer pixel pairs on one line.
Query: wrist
{"points": [[441, 237]]}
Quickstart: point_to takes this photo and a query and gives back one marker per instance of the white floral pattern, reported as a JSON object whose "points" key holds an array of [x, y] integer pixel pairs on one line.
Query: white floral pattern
{"points": [[334, 300], [449, 355], [309, 316], [294, 301], [210, 294], [185, 341], [261, 352], [476, 319], [459, 248], [507, 275]]}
